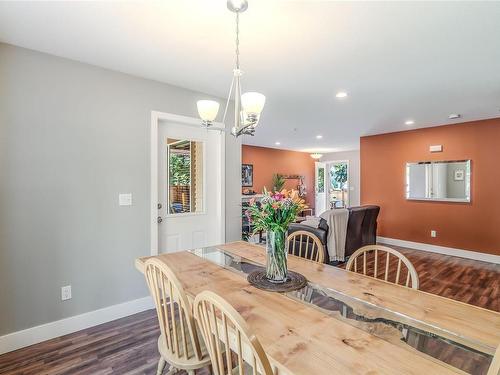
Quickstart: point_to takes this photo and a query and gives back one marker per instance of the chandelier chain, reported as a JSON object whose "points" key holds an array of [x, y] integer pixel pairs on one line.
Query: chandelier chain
{"points": [[237, 40]]}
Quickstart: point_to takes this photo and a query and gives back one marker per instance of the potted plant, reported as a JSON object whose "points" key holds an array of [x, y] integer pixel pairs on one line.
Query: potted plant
{"points": [[278, 182], [273, 213]]}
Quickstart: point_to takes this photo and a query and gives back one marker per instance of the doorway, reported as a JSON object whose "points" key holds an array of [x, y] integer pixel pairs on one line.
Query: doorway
{"points": [[338, 184], [332, 185], [187, 184]]}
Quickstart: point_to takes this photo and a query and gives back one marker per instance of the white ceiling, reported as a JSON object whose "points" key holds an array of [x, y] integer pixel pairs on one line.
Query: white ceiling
{"points": [[397, 60]]}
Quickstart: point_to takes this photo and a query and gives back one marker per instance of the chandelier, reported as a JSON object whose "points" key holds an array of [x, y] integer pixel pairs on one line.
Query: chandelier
{"points": [[247, 106]]}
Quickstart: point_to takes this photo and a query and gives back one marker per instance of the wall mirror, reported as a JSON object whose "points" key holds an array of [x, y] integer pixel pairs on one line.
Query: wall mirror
{"points": [[439, 180], [185, 176]]}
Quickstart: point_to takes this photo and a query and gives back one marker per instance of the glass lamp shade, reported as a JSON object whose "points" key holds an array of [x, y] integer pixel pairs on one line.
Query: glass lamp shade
{"points": [[253, 103], [316, 156], [207, 109]]}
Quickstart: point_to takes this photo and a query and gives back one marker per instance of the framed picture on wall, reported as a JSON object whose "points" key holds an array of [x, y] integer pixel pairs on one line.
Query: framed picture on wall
{"points": [[459, 175], [247, 175]]}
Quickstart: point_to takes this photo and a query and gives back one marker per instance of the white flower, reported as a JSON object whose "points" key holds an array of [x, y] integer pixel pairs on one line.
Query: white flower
{"points": [[267, 199]]}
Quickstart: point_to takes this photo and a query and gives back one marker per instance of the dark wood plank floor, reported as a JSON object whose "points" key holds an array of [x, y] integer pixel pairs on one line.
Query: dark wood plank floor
{"points": [[128, 345], [470, 281]]}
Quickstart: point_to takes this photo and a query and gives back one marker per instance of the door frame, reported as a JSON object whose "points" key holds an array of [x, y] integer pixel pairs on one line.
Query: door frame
{"points": [[156, 117], [327, 197]]}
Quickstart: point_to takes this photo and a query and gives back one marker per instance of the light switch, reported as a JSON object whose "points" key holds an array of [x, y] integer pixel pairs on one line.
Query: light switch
{"points": [[125, 199]]}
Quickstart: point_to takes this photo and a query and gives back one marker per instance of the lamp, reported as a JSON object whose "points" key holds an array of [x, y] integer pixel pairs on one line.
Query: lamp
{"points": [[247, 107], [316, 156], [207, 109]]}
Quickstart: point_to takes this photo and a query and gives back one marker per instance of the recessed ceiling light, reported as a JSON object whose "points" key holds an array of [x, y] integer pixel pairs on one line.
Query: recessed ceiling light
{"points": [[319, 136], [277, 143], [454, 116], [341, 95], [409, 122]]}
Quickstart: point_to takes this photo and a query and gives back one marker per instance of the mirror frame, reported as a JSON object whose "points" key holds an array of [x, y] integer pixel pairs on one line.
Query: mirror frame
{"points": [[467, 198]]}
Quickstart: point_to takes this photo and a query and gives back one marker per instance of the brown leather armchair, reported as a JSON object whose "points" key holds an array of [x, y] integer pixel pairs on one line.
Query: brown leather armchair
{"points": [[361, 229]]}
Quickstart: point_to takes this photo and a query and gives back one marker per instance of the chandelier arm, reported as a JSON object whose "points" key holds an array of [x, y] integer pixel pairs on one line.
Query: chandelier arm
{"points": [[227, 101], [237, 103]]}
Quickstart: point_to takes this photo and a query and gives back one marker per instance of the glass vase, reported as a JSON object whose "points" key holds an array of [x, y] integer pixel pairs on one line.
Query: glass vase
{"points": [[276, 259]]}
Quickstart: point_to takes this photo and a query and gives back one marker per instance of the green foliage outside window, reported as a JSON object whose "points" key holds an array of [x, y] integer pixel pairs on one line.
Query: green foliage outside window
{"points": [[321, 180], [338, 176], [180, 169]]}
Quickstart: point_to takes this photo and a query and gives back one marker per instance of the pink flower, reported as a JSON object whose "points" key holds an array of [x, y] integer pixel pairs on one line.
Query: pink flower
{"points": [[278, 196]]}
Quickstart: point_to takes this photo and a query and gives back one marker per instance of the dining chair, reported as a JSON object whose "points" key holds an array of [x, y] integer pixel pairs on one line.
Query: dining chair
{"points": [[232, 346], [306, 245], [178, 344], [375, 264], [494, 368]]}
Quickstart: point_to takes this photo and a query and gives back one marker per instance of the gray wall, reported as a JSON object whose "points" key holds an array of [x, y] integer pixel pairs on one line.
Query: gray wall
{"points": [[354, 182], [72, 136]]}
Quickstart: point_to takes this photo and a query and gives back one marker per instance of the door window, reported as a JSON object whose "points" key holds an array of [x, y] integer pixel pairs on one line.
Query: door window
{"points": [[321, 180], [338, 190], [185, 176]]}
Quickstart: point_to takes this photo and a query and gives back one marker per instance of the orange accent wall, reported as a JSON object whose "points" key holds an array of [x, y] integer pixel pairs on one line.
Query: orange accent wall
{"points": [[471, 226], [267, 161]]}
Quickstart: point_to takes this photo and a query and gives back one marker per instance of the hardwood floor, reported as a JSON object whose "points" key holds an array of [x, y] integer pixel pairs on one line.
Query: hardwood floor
{"points": [[470, 281], [128, 345]]}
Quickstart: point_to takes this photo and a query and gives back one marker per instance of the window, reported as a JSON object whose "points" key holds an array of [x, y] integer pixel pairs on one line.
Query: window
{"points": [[321, 180], [185, 176]]}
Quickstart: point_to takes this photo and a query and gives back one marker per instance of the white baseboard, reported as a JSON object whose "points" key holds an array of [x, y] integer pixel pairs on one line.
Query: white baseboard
{"points": [[34, 335], [441, 250]]}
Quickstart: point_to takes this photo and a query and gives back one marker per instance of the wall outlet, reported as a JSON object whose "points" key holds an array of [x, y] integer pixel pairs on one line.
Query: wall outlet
{"points": [[433, 233], [65, 292]]}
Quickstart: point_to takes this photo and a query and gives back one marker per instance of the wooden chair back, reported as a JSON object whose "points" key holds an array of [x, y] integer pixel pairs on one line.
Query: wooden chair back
{"points": [[370, 261], [494, 368], [306, 245], [232, 347], [177, 324]]}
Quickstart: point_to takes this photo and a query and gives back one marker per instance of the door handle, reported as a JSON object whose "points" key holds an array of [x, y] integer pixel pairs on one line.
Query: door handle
{"points": [[159, 219]]}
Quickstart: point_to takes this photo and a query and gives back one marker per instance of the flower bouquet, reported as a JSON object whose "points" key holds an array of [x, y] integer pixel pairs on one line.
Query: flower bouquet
{"points": [[273, 213]]}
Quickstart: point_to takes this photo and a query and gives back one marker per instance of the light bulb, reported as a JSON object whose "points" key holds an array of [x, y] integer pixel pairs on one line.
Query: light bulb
{"points": [[207, 109]]}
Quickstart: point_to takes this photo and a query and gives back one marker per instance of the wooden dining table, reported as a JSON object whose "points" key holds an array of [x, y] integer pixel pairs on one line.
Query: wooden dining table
{"points": [[342, 322]]}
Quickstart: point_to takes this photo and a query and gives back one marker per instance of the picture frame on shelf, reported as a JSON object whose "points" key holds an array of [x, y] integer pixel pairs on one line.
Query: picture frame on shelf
{"points": [[246, 175]]}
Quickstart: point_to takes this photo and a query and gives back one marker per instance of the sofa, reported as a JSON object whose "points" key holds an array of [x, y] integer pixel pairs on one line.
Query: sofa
{"points": [[361, 229]]}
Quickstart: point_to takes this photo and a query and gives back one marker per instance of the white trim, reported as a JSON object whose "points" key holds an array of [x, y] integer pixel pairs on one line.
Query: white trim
{"points": [[34, 335], [156, 116], [491, 258]]}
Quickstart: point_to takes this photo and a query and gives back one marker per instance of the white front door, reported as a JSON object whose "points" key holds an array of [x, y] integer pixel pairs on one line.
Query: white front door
{"points": [[190, 186], [319, 188]]}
